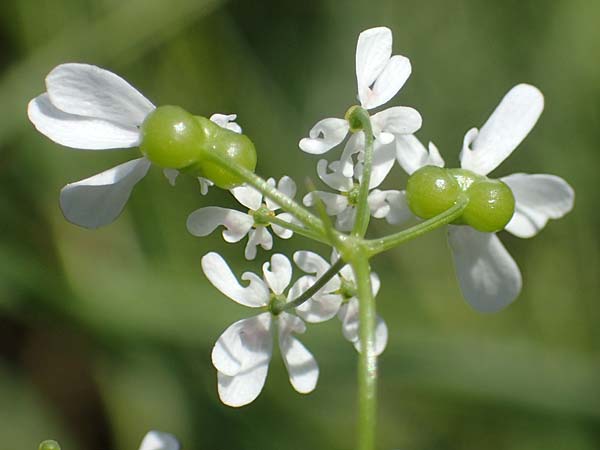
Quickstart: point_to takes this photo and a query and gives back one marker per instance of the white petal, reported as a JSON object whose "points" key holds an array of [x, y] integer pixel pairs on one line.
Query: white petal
{"points": [[204, 221], [240, 342], [285, 185], [300, 363], [334, 203], [247, 351], [383, 161], [389, 82], [226, 121], [345, 220], [320, 307], [217, 271], [334, 179], [284, 233], [171, 175], [373, 52], [79, 132], [258, 236], [325, 135], [205, 183], [377, 204], [90, 91], [278, 273], [98, 200], [397, 120], [354, 145], [311, 263], [399, 212], [158, 440], [247, 196], [538, 198], [412, 155], [349, 315], [488, 276], [506, 128]]}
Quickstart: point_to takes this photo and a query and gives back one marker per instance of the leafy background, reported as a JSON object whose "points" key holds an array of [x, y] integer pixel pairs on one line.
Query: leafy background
{"points": [[106, 334]]}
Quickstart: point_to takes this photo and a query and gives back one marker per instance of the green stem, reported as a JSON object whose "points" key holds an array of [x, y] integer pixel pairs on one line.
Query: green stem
{"points": [[363, 213], [367, 362], [331, 272], [376, 246], [299, 229], [302, 214]]}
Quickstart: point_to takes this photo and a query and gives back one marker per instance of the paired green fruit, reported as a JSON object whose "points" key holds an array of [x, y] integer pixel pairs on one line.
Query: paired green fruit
{"points": [[173, 138], [432, 190]]}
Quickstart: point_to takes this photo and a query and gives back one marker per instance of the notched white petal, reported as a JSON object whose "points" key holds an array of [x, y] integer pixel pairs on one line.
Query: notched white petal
{"points": [[349, 315], [98, 200], [538, 198], [247, 196], [248, 349], [412, 155], [258, 236], [325, 135], [399, 211], [388, 83], [204, 221], [320, 307], [278, 273], [509, 124], [91, 91], [333, 177], [226, 121], [489, 278], [76, 131], [217, 271], [285, 185], [282, 232], [397, 120], [334, 203], [373, 52], [158, 440]]}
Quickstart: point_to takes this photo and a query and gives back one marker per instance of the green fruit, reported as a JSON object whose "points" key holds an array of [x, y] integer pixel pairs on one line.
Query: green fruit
{"points": [[491, 205], [49, 445], [430, 191], [235, 147], [171, 138]]}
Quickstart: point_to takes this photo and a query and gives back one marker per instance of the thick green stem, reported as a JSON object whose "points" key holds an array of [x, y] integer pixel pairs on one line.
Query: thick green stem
{"points": [[302, 214], [331, 272], [363, 213], [376, 246], [367, 362]]}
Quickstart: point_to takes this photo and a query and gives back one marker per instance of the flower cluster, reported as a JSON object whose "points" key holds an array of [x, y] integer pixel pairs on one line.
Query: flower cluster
{"points": [[89, 108]]}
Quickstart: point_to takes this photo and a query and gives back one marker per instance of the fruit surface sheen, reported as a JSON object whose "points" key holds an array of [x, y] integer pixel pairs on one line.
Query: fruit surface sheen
{"points": [[173, 138], [432, 190]]}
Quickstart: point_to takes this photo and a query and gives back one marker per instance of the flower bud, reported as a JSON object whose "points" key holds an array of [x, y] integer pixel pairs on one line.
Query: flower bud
{"points": [[49, 445]]}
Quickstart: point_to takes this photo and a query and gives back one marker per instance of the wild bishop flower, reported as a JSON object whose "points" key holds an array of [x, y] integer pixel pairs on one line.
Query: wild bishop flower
{"points": [[253, 224], [244, 350], [520, 203], [379, 77], [89, 108]]}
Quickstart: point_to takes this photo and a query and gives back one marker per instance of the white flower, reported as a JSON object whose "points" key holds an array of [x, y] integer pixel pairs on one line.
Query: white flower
{"points": [[243, 352], [89, 108], [158, 440], [237, 224], [343, 205], [488, 276], [379, 77], [341, 299]]}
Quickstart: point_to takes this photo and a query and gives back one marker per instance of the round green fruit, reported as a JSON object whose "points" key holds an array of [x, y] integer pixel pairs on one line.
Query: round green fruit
{"points": [[430, 191], [491, 205]]}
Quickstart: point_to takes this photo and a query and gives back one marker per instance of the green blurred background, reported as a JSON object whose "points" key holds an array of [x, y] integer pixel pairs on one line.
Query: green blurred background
{"points": [[106, 334]]}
